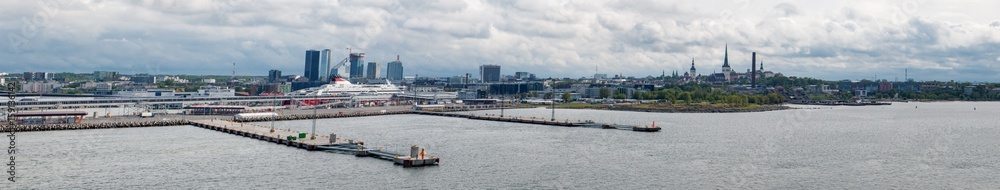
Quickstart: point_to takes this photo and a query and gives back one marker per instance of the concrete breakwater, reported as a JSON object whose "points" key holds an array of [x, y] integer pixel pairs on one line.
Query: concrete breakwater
{"points": [[105, 125], [321, 116], [153, 122], [762, 108]]}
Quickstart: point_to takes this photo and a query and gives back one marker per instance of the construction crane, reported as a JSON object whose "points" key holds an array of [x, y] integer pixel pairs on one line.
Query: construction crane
{"points": [[336, 71]]}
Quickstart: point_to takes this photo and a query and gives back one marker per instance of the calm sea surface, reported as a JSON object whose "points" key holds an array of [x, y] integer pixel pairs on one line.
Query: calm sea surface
{"points": [[903, 146]]}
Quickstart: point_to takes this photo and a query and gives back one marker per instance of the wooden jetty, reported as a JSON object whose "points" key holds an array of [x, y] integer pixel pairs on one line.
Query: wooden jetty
{"points": [[318, 142]]}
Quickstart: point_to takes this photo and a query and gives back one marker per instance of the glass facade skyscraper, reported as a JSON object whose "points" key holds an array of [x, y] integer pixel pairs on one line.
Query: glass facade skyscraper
{"points": [[373, 71], [324, 65], [312, 69], [357, 67], [394, 70], [274, 76]]}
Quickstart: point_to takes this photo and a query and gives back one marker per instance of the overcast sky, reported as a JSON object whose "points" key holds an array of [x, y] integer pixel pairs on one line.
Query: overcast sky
{"points": [[935, 40]]}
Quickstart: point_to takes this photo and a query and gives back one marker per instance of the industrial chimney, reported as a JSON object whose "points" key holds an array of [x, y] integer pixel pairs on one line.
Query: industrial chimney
{"points": [[753, 71]]}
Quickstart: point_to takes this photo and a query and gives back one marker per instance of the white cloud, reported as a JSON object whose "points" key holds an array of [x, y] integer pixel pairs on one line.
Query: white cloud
{"points": [[832, 40]]}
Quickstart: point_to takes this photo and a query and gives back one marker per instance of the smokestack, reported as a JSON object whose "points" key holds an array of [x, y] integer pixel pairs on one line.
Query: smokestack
{"points": [[397, 57], [753, 71]]}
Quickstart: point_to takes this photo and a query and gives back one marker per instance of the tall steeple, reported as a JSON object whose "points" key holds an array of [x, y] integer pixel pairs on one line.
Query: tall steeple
{"points": [[693, 73], [725, 60], [726, 70], [761, 69]]}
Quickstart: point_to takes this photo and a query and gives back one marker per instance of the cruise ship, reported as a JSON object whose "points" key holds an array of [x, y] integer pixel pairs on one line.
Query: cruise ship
{"points": [[341, 86]]}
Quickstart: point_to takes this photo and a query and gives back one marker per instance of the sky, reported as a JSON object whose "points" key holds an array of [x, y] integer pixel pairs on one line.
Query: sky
{"points": [[834, 40]]}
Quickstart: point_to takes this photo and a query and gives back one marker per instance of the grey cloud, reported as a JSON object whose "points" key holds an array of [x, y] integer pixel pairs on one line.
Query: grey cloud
{"points": [[451, 37], [786, 9], [923, 32]]}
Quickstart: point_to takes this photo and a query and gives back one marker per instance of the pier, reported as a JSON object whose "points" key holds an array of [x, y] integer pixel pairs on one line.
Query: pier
{"points": [[313, 142], [323, 116], [542, 121]]}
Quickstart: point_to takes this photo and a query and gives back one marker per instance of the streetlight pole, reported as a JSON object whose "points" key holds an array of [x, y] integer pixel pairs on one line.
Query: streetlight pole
{"points": [[553, 107], [316, 96], [501, 105], [274, 109]]}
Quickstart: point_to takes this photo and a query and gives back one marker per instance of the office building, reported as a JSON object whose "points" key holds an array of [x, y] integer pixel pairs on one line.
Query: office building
{"points": [[274, 76], [524, 76], [102, 76], [394, 70], [373, 71], [489, 73], [143, 79], [312, 65], [324, 65], [37, 76], [357, 66]]}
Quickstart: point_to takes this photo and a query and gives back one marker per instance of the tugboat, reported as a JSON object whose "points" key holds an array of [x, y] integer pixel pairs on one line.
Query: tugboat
{"points": [[653, 128]]}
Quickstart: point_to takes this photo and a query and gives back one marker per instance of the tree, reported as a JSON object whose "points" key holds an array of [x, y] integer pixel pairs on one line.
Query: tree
{"points": [[620, 96], [566, 96], [687, 97], [604, 93]]}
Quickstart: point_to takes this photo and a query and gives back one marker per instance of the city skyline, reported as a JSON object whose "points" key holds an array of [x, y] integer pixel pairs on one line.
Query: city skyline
{"points": [[932, 40]]}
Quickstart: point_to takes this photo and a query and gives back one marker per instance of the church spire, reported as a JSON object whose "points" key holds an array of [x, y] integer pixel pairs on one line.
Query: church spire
{"points": [[725, 61]]}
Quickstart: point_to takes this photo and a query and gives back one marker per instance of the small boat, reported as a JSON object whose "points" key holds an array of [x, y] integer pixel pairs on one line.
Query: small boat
{"points": [[652, 128]]}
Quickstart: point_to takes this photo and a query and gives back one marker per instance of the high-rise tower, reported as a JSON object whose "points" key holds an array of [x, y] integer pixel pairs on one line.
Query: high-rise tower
{"points": [[312, 65], [394, 70], [274, 76], [489, 73], [324, 64], [373, 71], [357, 67]]}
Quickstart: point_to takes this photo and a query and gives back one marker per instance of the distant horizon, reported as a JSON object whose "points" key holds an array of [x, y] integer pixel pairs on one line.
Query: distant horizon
{"points": [[536, 74]]}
